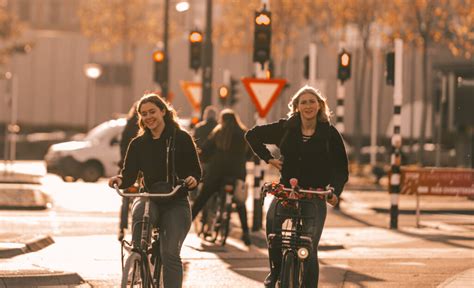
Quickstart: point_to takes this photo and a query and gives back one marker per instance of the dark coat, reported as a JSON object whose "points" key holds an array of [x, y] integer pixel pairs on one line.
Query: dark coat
{"points": [[148, 155], [202, 131], [320, 161], [230, 163]]}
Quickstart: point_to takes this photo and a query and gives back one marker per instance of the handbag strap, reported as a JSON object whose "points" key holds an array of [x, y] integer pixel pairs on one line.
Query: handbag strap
{"points": [[171, 146]]}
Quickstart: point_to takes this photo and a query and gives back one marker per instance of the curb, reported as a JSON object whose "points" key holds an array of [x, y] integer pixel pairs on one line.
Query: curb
{"points": [[24, 197], [30, 246], [47, 279]]}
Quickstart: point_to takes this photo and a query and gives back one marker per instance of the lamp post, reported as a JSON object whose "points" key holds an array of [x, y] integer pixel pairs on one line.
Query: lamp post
{"points": [[92, 72], [207, 60]]}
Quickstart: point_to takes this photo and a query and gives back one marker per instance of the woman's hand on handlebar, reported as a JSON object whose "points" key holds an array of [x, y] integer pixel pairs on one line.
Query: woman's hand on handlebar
{"points": [[276, 163], [190, 182], [115, 180]]}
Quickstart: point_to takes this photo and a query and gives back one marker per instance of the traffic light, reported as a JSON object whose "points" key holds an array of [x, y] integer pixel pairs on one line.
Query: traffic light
{"points": [[344, 66], [195, 50], [262, 36], [233, 91], [390, 68], [158, 60], [223, 93], [306, 67]]}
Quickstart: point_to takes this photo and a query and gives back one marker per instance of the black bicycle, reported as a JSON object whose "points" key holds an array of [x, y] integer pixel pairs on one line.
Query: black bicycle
{"points": [[295, 243], [215, 219], [143, 267]]}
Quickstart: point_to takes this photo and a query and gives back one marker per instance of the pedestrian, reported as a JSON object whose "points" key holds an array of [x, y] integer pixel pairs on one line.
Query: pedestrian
{"points": [[128, 133], [205, 127], [149, 153], [312, 151], [227, 152]]}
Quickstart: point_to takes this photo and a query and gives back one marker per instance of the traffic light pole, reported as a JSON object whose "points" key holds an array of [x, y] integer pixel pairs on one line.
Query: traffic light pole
{"points": [[259, 165], [165, 82], [395, 160], [207, 60]]}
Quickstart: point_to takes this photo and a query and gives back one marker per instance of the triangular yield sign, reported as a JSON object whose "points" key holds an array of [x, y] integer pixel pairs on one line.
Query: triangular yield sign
{"points": [[263, 92], [193, 91]]}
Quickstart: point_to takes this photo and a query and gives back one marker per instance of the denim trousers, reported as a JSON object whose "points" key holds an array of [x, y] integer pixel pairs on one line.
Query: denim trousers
{"points": [[173, 218]]}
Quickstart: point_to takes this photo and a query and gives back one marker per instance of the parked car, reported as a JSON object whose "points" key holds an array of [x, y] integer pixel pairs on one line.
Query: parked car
{"points": [[95, 156]]}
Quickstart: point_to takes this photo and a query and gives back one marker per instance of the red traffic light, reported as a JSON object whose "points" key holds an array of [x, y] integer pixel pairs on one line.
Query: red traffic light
{"points": [[262, 19], [223, 91], [195, 36], [158, 56]]}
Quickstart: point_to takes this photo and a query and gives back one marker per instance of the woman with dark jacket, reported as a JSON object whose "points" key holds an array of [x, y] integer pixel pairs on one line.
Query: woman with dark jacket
{"points": [[227, 152], [312, 151], [148, 154]]}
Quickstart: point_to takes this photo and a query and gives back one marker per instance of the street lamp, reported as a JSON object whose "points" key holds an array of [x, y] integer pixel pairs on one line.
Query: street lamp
{"points": [[92, 72], [182, 6]]}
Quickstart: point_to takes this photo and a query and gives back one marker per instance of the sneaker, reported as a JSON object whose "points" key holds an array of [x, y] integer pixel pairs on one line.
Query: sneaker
{"points": [[246, 239]]}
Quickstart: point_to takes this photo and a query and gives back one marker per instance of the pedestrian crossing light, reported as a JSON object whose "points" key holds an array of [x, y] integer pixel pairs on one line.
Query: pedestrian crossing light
{"points": [[262, 36], [158, 60], [195, 50], [344, 66]]}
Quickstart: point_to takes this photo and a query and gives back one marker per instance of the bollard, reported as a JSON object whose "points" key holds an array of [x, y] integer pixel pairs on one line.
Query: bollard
{"points": [[257, 205]]}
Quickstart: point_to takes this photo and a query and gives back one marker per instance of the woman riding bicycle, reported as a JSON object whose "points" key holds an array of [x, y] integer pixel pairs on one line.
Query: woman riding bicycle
{"points": [[312, 151], [147, 153], [227, 152]]}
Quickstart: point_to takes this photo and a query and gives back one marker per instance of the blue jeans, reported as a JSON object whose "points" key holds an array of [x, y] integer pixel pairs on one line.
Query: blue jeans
{"points": [[313, 226], [174, 221]]}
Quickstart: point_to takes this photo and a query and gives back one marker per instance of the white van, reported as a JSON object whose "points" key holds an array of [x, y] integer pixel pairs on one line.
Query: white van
{"points": [[97, 155]]}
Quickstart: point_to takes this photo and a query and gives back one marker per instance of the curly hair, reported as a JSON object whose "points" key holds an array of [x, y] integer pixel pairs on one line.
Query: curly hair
{"points": [[324, 113]]}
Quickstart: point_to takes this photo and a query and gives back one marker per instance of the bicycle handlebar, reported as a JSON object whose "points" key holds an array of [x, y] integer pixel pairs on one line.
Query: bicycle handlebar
{"points": [[149, 195]]}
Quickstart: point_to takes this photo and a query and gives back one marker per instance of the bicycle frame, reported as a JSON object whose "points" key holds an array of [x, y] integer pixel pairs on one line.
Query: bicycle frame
{"points": [[139, 256], [295, 243], [218, 228]]}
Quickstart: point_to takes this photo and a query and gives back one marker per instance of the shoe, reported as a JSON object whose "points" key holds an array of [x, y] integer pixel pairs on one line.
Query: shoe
{"points": [[121, 235], [269, 282], [246, 239]]}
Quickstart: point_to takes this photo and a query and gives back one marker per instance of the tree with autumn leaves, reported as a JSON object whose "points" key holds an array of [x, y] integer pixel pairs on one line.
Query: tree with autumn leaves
{"points": [[10, 31], [426, 23], [423, 22]]}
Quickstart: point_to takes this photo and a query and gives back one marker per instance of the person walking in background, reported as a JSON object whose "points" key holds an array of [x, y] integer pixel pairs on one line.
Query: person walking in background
{"points": [[128, 133], [162, 152], [205, 127], [227, 152], [312, 151]]}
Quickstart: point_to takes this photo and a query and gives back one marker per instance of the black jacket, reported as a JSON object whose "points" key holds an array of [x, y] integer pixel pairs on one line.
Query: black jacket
{"points": [[149, 156], [230, 163], [320, 161]]}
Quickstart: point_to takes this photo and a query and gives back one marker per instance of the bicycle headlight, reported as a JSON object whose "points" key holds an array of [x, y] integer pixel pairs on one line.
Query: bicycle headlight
{"points": [[303, 253]]}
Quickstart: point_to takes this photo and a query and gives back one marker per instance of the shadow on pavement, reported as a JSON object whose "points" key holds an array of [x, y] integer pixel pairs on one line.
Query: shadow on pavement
{"points": [[346, 276], [438, 237]]}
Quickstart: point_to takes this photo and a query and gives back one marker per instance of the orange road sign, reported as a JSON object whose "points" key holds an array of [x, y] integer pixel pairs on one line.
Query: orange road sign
{"points": [[263, 92], [193, 91]]}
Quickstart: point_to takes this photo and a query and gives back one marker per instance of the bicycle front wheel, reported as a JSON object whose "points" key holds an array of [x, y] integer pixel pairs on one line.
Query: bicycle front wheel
{"points": [[134, 273], [289, 275]]}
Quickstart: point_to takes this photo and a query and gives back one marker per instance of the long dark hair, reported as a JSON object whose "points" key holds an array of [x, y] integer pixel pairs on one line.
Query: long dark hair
{"points": [[170, 117], [229, 124]]}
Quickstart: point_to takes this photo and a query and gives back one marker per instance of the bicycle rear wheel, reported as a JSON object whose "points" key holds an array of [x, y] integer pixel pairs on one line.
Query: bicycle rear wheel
{"points": [[224, 224]]}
